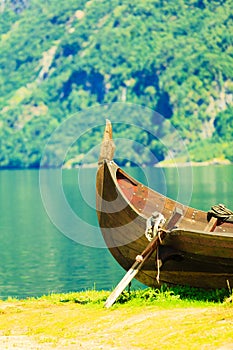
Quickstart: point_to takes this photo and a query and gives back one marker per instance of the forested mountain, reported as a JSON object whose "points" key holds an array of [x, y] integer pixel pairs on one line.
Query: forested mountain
{"points": [[61, 57]]}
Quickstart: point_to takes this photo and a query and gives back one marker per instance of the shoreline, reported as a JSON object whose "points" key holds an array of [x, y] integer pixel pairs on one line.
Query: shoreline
{"points": [[163, 164], [193, 164]]}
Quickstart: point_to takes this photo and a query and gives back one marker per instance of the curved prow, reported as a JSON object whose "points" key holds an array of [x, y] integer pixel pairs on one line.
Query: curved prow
{"points": [[107, 146]]}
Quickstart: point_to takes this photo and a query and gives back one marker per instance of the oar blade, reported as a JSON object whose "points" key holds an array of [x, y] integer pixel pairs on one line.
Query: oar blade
{"points": [[122, 285]]}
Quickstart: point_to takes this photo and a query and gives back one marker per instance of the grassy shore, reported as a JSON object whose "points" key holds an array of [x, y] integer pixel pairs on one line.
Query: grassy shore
{"points": [[147, 319]]}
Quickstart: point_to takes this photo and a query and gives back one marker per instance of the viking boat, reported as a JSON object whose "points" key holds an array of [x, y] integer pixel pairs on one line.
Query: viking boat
{"points": [[192, 247]]}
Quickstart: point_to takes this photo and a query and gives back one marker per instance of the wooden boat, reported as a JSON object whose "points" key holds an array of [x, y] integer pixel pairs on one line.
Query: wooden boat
{"points": [[193, 251]]}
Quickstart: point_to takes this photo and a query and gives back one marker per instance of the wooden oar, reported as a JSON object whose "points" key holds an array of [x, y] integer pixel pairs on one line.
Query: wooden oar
{"points": [[135, 268], [132, 272]]}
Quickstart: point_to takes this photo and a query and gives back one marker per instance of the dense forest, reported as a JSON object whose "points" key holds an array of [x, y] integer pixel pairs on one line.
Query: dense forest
{"points": [[59, 58]]}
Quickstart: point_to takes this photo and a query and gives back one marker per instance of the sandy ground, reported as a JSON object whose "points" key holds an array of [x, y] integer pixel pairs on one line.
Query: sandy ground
{"points": [[96, 341], [23, 342]]}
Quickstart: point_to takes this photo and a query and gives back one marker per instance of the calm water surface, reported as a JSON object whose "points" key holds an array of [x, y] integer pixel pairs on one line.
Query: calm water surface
{"points": [[36, 258]]}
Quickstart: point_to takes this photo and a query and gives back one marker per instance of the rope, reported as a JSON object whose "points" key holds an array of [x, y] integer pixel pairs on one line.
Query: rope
{"points": [[153, 228], [220, 212], [153, 224], [158, 265]]}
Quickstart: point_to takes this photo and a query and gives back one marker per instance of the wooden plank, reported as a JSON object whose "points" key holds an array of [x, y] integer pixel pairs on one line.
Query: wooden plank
{"points": [[174, 219], [207, 279], [210, 227]]}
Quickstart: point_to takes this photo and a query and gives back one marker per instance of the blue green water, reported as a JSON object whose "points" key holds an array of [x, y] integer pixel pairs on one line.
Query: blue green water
{"points": [[36, 258]]}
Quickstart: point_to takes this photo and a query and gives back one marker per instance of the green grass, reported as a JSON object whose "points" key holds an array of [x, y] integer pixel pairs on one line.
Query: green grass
{"points": [[180, 295]]}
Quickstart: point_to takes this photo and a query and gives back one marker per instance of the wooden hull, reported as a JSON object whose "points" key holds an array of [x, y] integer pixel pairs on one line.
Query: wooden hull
{"points": [[188, 255]]}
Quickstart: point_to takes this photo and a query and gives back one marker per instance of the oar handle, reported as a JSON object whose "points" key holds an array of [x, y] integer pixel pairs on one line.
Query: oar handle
{"points": [[153, 244]]}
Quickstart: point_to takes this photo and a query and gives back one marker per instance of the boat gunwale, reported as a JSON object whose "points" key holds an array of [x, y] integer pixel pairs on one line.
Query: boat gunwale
{"points": [[113, 168], [215, 234]]}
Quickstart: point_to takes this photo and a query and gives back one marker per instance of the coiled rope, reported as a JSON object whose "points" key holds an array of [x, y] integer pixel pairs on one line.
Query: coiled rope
{"points": [[220, 212]]}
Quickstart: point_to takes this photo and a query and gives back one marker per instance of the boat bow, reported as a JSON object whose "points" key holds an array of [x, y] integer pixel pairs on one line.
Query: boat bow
{"points": [[195, 252]]}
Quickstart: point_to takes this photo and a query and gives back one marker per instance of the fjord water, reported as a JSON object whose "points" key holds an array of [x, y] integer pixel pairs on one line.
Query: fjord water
{"points": [[36, 258]]}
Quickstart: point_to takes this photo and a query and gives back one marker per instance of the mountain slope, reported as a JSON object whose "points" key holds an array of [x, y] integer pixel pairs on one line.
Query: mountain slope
{"points": [[58, 58]]}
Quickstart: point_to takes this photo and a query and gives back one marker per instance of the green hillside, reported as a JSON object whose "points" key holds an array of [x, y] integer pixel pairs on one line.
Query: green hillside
{"points": [[62, 57]]}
